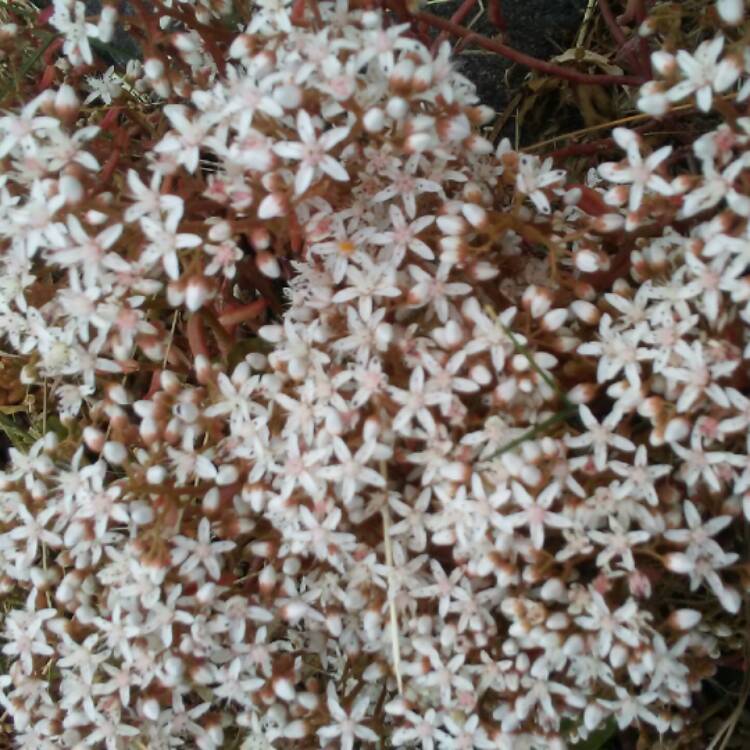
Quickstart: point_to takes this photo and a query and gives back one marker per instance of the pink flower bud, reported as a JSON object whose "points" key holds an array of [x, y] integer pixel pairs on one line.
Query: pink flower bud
{"points": [[731, 12], [402, 73], [211, 499], [267, 578], [483, 271], [288, 97], [153, 68], [93, 439], [452, 225], [480, 374], [298, 729], [684, 619], [607, 223], [242, 46], [582, 393], [284, 689], [67, 104], [677, 430], [586, 311], [452, 129], [397, 108], [587, 261], [268, 265], [475, 215], [228, 474], [272, 206], [374, 120], [71, 189], [115, 453], [664, 63], [151, 709], [419, 142], [478, 145], [422, 78], [537, 300], [185, 43]]}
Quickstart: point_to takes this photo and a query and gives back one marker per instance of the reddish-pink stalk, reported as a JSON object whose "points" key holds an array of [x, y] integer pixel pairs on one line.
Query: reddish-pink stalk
{"points": [[495, 14], [609, 19], [582, 149], [192, 22], [458, 17], [196, 336], [641, 58], [521, 58], [242, 314]]}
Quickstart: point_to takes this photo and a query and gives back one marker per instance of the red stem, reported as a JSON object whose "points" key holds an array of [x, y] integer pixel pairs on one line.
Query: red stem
{"points": [[242, 314], [609, 18], [521, 58], [190, 20], [495, 14], [196, 336], [645, 53], [581, 149], [457, 17]]}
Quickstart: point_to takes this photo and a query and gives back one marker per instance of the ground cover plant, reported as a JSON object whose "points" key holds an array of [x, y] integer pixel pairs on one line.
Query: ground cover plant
{"points": [[336, 420]]}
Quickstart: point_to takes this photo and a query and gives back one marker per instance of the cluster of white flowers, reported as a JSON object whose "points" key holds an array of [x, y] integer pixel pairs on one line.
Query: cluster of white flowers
{"points": [[472, 485]]}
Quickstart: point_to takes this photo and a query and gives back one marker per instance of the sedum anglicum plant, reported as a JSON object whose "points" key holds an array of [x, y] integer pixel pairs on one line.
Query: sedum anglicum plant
{"points": [[355, 429]]}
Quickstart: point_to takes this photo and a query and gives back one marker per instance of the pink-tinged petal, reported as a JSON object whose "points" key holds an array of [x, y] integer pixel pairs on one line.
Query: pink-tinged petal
{"points": [[289, 150], [187, 240], [537, 535], [109, 236], [678, 562], [272, 206], [726, 75], [303, 179], [191, 159], [558, 521], [176, 113], [680, 91], [704, 98], [172, 266], [305, 127], [636, 196], [331, 137], [624, 138], [334, 169]]}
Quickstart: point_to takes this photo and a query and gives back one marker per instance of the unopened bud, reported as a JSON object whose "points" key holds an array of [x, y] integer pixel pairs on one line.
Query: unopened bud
{"points": [[67, 104], [587, 261], [268, 265], [397, 108], [677, 430], [586, 311], [115, 453], [241, 47], [273, 206], [475, 215], [93, 438], [374, 120], [731, 12], [153, 68], [583, 393]]}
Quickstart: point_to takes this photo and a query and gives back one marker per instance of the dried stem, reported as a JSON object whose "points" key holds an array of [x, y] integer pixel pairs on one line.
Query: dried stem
{"points": [[521, 58]]}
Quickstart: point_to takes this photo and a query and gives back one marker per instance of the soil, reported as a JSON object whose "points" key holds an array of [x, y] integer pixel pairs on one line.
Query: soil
{"points": [[541, 28]]}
